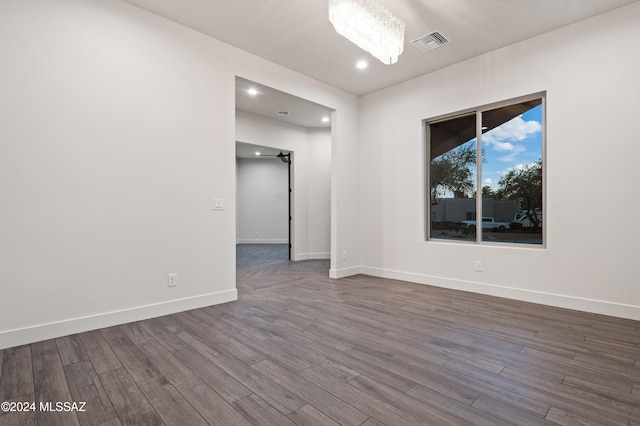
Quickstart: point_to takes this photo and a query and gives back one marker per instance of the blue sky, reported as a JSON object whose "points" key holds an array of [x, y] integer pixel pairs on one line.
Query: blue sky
{"points": [[514, 144]]}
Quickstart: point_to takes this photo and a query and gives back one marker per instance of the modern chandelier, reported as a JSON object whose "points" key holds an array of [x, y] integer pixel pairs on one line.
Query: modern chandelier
{"points": [[370, 26]]}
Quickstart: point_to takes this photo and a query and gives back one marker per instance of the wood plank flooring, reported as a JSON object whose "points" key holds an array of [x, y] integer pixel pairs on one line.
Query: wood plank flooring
{"points": [[298, 348]]}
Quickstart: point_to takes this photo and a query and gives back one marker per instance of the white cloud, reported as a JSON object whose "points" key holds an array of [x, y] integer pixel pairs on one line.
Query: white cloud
{"points": [[517, 167], [487, 182], [514, 130], [517, 150], [503, 146]]}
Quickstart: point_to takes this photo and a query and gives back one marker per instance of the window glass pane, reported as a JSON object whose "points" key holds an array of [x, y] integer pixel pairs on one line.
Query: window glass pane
{"points": [[452, 178], [512, 173]]}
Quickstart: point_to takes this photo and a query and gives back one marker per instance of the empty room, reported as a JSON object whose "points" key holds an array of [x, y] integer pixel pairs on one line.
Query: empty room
{"points": [[354, 212]]}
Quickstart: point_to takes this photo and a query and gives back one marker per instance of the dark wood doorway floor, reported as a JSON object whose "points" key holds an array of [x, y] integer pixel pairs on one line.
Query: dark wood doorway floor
{"points": [[300, 348], [256, 255]]}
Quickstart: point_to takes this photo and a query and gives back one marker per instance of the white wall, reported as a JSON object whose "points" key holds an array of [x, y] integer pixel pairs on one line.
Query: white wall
{"points": [[319, 189], [263, 201], [311, 178], [117, 131], [590, 72]]}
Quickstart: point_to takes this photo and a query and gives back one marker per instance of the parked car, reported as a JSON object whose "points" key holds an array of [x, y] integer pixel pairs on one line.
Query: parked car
{"points": [[488, 223], [523, 220]]}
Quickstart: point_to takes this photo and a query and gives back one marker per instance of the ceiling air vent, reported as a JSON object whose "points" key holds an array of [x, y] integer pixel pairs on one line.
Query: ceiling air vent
{"points": [[283, 113], [430, 41]]}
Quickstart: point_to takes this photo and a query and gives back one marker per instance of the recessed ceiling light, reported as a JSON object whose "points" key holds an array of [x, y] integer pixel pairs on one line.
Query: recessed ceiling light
{"points": [[362, 64], [252, 91], [257, 153], [325, 119]]}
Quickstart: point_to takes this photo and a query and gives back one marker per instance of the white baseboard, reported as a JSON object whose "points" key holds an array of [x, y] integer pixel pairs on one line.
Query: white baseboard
{"points": [[601, 307], [52, 330], [263, 241], [344, 272], [313, 256]]}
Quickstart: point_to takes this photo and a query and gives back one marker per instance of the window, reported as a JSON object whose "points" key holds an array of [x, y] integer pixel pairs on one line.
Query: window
{"points": [[497, 152]]}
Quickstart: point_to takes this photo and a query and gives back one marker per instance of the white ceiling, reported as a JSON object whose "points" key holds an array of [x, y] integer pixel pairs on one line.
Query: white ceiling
{"points": [[246, 150], [298, 35], [273, 103]]}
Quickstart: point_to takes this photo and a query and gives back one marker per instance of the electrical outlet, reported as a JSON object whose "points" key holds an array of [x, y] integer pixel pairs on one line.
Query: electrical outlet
{"points": [[218, 204], [478, 266], [173, 280], [344, 255]]}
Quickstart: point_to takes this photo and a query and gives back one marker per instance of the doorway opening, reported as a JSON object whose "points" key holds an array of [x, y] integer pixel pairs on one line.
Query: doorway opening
{"points": [[295, 133], [264, 197]]}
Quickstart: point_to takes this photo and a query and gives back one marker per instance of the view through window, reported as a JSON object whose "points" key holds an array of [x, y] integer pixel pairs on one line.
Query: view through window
{"points": [[496, 152]]}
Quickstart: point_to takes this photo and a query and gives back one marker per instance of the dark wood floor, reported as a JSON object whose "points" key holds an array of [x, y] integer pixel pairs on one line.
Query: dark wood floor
{"points": [[300, 348]]}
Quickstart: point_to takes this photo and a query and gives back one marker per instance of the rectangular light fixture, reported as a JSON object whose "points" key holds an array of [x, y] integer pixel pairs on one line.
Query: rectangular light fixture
{"points": [[370, 26]]}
